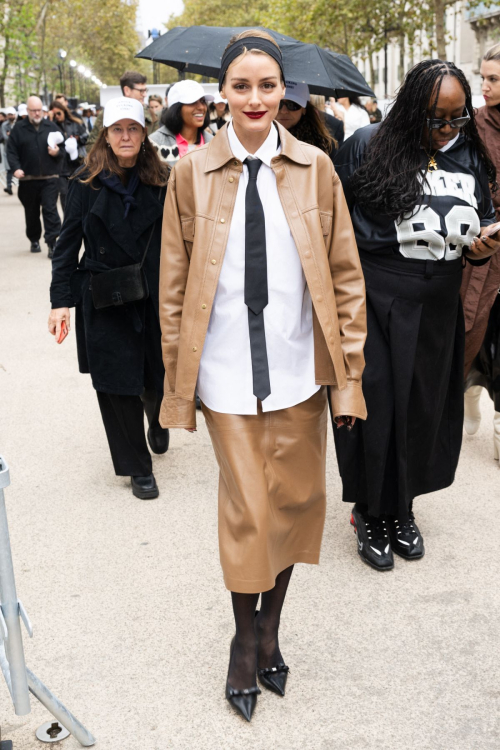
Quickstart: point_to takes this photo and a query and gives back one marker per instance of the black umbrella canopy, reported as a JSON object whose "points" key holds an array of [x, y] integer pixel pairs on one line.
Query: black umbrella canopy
{"points": [[198, 49]]}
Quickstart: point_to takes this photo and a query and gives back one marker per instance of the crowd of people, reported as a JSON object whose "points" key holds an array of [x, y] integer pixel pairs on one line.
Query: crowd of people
{"points": [[271, 257]]}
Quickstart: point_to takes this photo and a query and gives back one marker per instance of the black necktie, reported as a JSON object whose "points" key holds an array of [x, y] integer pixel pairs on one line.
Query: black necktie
{"points": [[256, 296]]}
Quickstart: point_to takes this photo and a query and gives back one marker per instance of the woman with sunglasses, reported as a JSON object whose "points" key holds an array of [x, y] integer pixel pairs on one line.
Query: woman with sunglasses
{"points": [[302, 119], [417, 188]]}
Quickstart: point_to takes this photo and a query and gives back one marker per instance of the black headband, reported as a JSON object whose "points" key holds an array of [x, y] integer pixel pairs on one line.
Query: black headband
{"points": [[250, 42]]}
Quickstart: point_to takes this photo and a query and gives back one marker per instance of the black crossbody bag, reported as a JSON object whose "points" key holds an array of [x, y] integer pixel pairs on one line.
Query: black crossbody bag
{"points": [[121, 285]]}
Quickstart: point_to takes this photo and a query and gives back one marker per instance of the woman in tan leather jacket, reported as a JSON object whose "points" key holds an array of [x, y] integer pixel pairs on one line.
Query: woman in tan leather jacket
{"points": [[262, 309]]}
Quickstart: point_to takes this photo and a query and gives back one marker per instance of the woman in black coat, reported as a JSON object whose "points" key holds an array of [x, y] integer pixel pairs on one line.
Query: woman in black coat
{"points": [[71, 127], [115, 205]]}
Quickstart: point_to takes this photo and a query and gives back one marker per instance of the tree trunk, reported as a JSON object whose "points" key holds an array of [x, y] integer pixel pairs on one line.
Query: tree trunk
{"points": [[372, 71], [5, 69], [439, 14], [401, 57]]}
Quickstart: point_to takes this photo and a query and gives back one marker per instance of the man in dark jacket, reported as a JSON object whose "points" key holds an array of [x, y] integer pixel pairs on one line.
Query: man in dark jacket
{"points": [[37, 166]]}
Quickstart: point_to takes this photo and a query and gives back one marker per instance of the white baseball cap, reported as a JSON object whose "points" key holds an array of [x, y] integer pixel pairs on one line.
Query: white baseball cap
{"points": [[123, 108], [218, 99], [10, 111], [187, 92], [297, 92], [22, 110]]}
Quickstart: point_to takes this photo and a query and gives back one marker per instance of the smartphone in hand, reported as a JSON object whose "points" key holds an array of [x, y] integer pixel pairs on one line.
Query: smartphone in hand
{"points": [[492, 231], [64, 332]]}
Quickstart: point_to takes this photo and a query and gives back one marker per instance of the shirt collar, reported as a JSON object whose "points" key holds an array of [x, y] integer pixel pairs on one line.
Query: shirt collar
{"points": [[450, 144], [269, 149]]}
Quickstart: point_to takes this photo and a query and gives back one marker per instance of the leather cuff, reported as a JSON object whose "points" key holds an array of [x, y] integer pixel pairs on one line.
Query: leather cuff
{"points": [[349, 401], [177, 412]]}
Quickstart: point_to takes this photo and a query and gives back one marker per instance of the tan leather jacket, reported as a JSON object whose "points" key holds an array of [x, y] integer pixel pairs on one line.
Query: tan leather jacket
{"points": [[198, 210]]}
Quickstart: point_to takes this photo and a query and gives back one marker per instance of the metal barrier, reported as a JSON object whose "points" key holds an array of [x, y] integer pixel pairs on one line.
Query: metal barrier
{"points": [[19, 679]]}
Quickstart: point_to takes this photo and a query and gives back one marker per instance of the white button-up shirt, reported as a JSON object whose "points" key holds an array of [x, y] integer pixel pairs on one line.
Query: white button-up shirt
{"points": [[225, 379]]}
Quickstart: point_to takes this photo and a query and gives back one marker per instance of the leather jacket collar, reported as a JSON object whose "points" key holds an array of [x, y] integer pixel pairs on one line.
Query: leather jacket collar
{"points": [[219, 151]]}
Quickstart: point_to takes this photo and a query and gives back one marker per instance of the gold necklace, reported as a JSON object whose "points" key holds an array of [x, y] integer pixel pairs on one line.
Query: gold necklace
{"points": [[432, 165]]}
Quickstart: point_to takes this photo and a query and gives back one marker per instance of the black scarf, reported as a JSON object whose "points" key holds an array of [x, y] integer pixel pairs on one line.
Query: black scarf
{"points": [[113, 182]]}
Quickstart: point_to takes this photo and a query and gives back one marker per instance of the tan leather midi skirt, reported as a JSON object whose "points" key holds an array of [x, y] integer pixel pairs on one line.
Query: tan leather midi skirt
{"points": [[272, 490]]}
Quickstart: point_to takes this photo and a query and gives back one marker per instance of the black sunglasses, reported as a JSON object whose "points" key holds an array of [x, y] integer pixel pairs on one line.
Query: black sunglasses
{"points": [[291, 106], [458, 122]]}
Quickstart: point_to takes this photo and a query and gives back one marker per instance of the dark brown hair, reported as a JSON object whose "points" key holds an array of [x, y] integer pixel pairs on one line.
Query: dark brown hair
{"points": [[130, 78], [101, 157], [311, 129], [67, 114]]}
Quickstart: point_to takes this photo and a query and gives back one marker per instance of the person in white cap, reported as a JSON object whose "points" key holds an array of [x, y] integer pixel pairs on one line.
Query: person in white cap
{"points": [[303, 120], [37, 164], [22, 111], [7, 127], [115, 205], [219, 113], [133, 86], [185, 122]]}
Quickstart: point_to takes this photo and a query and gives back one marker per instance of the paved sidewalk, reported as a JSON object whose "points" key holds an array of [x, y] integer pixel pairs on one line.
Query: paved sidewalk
{"points": [[132, 623]]}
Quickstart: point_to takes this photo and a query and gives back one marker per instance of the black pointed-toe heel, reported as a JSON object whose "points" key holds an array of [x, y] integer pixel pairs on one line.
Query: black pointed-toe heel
{"points": [[244, 701], [274, 678]]}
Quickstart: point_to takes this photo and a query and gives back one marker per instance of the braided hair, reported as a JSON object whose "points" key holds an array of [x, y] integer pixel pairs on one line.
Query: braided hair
{"points": [[389, 180]]}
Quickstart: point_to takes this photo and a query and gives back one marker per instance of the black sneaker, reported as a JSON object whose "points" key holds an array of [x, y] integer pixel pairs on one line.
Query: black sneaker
{"points": [[374, 546], [50, 251], [8, 191], [406, 538], [35, 247]]}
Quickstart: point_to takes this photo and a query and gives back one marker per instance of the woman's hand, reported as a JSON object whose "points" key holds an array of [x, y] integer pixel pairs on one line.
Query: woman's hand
{"points": [[56, 319], [484, 247], [346, 420]]}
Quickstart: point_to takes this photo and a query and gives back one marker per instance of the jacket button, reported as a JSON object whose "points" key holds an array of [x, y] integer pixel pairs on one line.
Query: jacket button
{"points": [[222, 221], [195, 348], [102, 250], [213, 261], [203, 307], [319, 298], [235, 163], [307, 255], [231, 179]]}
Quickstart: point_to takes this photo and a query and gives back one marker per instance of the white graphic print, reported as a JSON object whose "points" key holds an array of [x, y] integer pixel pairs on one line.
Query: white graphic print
{"points": [[454, 184], [420, 237]]}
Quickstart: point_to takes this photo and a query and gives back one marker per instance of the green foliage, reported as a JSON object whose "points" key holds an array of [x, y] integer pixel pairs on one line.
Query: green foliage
{"points": [[98, 34]]}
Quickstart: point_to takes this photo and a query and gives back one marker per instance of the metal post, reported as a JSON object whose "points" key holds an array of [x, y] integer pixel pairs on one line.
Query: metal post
{"points": [[10, 609], [18, 678]]}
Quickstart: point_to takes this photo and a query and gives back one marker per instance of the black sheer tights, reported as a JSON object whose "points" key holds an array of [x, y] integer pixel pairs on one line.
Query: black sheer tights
{"points": [[256, 640]]}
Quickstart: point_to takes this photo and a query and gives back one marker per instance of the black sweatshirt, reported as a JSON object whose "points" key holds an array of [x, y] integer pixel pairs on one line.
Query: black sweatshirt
{"points": [[448, 218]]}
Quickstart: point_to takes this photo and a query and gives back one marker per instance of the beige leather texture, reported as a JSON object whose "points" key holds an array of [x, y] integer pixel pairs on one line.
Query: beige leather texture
{"points": [[272, 490], [198, 211]]}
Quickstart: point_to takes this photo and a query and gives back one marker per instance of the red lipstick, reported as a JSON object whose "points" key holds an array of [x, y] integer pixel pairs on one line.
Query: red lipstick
{"points": [[255, 115]]}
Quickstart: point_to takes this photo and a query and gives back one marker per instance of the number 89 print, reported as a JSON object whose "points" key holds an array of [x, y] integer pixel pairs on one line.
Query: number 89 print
{"points": [[419, 236]]}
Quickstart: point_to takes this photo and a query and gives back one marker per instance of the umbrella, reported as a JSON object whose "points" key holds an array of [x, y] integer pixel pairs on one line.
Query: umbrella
{"points": [[198, 49]]}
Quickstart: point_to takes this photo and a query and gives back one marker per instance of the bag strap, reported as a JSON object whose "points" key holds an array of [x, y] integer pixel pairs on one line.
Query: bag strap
{"points": [[150, 235]]}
